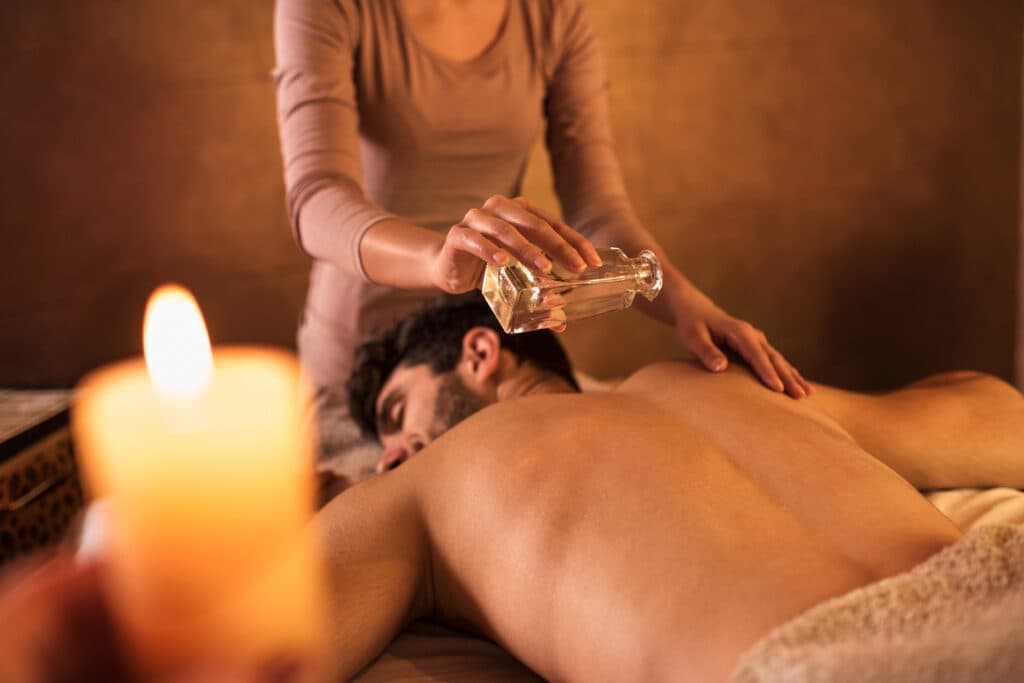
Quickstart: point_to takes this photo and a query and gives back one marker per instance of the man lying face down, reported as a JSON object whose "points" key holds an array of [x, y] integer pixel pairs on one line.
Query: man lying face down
{"points": [[656, 532], [683, 527]]}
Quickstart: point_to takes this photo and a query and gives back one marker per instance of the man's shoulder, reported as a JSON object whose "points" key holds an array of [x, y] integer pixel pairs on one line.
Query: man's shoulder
{"points": [[683, 382], [659, 373]]}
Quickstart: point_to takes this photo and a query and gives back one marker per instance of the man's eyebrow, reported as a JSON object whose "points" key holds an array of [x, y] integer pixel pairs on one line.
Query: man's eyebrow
{"points": [[383, 417]]}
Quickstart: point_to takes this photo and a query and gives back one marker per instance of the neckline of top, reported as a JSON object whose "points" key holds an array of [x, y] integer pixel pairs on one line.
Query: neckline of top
{"points": [[491, 52]]}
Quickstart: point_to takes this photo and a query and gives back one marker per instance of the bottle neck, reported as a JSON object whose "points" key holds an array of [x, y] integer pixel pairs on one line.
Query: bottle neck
{"points": [[649, 276]]}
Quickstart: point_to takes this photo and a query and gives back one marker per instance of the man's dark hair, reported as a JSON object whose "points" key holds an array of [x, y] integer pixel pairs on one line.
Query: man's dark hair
{"points": [[433, 337]]}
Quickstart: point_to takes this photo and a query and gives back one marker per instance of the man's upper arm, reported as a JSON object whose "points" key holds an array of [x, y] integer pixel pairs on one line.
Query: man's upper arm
{"points": [[948, 431], [377, 569]]}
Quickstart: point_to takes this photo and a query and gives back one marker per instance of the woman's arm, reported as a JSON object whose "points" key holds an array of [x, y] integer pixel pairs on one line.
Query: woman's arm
{"points": [[318, 117], [402, 255], [318, 123], [593, 195]]}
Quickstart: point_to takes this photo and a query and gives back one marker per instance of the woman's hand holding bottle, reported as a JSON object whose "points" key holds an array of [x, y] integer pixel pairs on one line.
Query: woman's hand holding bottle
{"points": [[504, 229]]}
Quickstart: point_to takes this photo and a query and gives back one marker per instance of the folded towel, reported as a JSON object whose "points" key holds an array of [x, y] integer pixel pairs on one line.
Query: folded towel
{"points": [[957, 616]]}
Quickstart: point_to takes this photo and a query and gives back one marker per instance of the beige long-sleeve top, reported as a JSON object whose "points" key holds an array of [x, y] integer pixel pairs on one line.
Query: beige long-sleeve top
{"points": [[374, 124]]}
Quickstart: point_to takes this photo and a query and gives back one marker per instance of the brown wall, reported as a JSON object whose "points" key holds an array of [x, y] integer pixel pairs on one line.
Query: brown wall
{"points": [[845, 175], [1020, 260], [139, 147], [842, 174]]}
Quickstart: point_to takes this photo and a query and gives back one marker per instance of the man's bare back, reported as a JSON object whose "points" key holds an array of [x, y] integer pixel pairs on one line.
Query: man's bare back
{"points": [[652, 533]]}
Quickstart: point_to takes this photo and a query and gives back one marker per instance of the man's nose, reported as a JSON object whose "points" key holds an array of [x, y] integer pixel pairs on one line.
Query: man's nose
{"points": [[395, 454]]}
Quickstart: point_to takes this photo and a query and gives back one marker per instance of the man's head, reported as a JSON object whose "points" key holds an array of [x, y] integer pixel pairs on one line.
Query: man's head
{"points": [[436, 367]]}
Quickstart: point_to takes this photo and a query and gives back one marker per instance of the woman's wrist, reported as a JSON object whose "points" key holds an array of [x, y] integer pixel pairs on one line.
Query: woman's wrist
{"points": [[678, 296], [686, 296]]}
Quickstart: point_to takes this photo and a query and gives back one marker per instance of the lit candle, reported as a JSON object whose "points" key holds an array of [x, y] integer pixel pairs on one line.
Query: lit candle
{"points": [[206, 460]]}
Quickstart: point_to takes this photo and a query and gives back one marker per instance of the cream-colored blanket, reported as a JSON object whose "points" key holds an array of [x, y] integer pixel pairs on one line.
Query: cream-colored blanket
{"points": [[971, 508], [957, 617]]}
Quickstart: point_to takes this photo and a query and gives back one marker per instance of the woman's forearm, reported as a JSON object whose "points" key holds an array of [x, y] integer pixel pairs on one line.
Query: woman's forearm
{"points": [[678, 292], [397, 253]]}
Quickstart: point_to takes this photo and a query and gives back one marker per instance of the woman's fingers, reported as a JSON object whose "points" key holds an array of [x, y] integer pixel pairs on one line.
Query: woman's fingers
{"points": [[698, 341], [508, 228], [808, 389], [803, 383], [537, 231], [462, 237], [768, 364], [460, 265], [750, 343], [580, 243], [794, 383], [501, 230]]}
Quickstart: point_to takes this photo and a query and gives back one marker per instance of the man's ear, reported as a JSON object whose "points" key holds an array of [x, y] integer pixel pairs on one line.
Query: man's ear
{"points": [[481, 354]]}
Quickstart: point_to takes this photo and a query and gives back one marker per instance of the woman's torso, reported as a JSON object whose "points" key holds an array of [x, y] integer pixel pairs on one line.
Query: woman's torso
{"points": [[437, 138]]}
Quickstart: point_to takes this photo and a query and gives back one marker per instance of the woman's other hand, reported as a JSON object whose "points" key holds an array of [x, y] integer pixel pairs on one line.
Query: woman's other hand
{"points": [[501, 230], [705, 329]]}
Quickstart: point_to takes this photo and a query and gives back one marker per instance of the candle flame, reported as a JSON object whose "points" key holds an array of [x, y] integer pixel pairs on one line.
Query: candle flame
{"points": [[176, 344]]}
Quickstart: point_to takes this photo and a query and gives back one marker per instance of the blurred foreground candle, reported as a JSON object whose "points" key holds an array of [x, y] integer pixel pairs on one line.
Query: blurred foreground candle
{"points": [[206, 460]]}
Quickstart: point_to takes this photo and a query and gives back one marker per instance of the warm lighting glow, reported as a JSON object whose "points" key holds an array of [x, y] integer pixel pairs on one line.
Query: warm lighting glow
{"points": [[207, 560], [176, 344]]}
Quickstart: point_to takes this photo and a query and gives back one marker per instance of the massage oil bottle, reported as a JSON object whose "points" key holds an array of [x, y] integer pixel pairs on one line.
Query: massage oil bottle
{"points": [[523, 301]]}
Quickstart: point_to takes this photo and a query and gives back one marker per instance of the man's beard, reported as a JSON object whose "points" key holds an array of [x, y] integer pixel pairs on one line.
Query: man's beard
{"points": [[455, 402]]}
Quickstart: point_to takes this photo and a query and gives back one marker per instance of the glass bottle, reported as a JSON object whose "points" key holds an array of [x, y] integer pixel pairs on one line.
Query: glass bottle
{"points": [[523, 301]]}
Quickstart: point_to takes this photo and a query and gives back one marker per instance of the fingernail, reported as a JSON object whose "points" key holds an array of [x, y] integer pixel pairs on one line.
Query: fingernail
{"points": [[500, 258], [579, 265], [718, 364], [778, 386], [542, 263]]}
